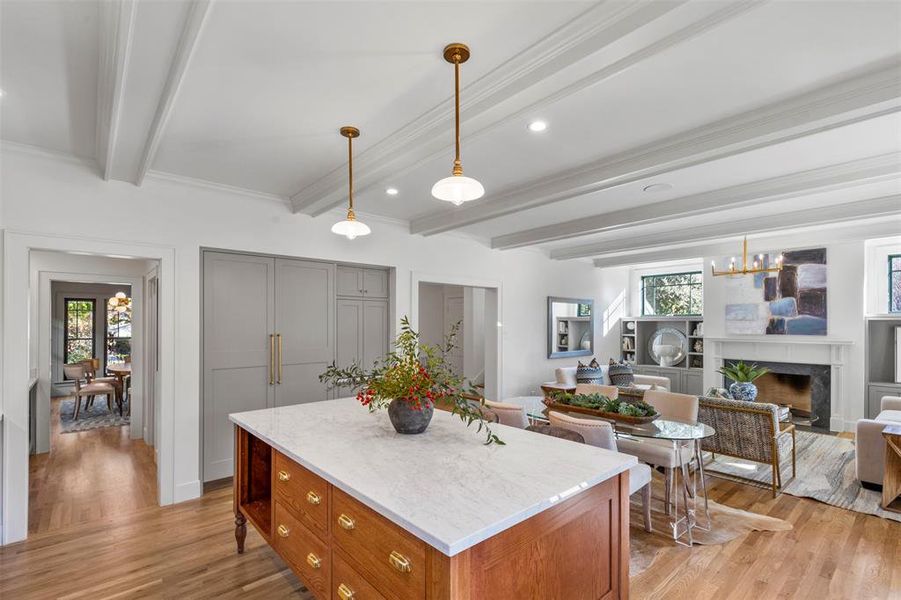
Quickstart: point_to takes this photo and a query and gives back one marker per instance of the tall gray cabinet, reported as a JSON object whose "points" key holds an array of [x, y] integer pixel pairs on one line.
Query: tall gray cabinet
{"points": [[270, 327]]}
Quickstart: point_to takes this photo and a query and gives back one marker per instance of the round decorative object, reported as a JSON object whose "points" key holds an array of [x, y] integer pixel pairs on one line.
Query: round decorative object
{"points": [[743, 391], [630, 325], [667, 346], [407, 419]]}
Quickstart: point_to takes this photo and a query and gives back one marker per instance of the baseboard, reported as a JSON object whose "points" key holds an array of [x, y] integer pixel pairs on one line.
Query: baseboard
{"points": [[188, 491]]}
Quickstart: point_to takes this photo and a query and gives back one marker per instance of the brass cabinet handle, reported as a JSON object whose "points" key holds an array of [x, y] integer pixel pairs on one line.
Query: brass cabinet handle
{"points": [[271, 358], [400, 562], [283, 531], [284, 476], [279, 336], [345, 593], [346, 522], [314, 498], [313, 560]]}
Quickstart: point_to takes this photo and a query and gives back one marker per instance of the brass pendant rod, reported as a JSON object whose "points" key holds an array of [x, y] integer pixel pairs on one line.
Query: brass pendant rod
{"points": [[350, 173], [458, 165]]}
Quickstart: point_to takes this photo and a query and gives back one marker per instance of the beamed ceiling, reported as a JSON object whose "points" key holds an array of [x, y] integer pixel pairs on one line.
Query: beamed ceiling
{"points": [[759, 116]]}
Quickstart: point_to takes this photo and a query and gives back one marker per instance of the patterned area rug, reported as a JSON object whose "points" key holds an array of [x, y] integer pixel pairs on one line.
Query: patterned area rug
{"points": [[825, 473], [94, 418]]}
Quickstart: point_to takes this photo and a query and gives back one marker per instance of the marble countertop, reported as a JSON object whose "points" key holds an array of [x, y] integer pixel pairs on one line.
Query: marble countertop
{"points": [[444, 486]]}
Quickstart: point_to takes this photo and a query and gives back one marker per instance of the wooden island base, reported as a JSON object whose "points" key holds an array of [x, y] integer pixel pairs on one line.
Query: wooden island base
{"points": [[342, 549]]}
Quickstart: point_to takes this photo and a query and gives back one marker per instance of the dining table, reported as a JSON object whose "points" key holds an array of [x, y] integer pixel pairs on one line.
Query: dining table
{"points": [[120, 371]]}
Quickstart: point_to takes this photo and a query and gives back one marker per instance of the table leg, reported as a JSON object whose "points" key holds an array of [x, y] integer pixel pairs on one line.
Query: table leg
{"points": [[240, 530], [699, 456]]}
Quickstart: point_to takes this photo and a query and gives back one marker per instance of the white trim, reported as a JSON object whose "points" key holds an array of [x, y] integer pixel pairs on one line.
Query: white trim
{"points": [[188, 491], [214, 186], [117, 23]]}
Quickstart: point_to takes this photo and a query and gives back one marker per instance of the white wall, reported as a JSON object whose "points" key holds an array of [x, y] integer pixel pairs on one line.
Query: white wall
{"points": [[185, 218]]}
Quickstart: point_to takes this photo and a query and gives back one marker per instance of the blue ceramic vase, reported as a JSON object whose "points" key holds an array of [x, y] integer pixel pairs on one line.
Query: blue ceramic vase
{"points": [[743, 391]]}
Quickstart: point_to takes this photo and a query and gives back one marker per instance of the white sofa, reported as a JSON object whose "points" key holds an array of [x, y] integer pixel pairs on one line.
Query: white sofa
{"points": [[871, 444], [566, 378]]}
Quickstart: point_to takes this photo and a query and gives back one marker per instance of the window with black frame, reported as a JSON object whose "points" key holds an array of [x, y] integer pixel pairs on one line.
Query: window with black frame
{"points": [[894, 283], [79, 330], [672, 294]]}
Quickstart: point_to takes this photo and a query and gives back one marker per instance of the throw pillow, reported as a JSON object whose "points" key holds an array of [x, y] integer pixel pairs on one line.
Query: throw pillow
{"points": [[590, 373], [621, 374]]}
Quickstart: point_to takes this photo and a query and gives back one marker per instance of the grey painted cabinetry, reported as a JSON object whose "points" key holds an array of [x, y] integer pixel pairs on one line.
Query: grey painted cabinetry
{"points": [[875, 392], [683, 381], [362, 282]]}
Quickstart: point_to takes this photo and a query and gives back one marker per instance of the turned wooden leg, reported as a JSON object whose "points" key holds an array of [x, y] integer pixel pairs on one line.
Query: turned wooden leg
{"points": [[240, 531]]}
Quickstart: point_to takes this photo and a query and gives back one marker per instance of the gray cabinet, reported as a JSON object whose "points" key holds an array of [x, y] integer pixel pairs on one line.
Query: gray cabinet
{"points": [[362, 334], [875, 392], [362, 282], [693, 382]]}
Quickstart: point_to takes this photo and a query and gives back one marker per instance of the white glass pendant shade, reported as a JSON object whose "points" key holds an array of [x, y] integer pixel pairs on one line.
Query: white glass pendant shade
{"points": [[351, 228], [458, 189], [121, 295]]}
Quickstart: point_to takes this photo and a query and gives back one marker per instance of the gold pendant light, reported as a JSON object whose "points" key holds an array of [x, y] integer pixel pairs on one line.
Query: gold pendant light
{"points": [[457, 188], [350, 227], [756, 267]]}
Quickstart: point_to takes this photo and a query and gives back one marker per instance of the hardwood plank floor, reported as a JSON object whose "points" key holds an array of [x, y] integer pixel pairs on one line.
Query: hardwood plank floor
{"points": [[188, 550]]}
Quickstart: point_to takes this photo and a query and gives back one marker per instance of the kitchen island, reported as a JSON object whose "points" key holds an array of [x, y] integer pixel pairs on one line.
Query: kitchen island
{"points": [[359, 511]]}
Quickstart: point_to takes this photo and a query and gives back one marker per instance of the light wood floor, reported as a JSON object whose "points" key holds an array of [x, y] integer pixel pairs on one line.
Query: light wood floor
{"points": [[187, 550]]}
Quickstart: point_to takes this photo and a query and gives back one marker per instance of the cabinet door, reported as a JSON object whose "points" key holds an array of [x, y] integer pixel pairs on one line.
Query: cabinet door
{"points": [[305, 322], [238, 317], [375, 283], [350, 282], [693, 382], [875, 392], [375, 331], [349, 339]]}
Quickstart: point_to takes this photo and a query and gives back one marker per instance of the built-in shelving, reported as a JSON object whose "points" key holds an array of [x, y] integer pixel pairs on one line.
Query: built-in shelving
{"points": [[686, 376]]}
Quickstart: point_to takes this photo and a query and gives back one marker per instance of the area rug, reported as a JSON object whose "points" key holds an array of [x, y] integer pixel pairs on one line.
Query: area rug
{"points": [[94, 418], [728, 524], [826, 472]]}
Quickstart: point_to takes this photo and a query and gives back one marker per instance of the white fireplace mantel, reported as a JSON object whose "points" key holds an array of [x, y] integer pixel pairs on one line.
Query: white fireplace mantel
{"points": [[782, 339]]}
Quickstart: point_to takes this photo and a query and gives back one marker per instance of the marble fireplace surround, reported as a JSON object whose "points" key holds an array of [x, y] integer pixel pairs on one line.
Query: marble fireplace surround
{"points": [[792, 354]]}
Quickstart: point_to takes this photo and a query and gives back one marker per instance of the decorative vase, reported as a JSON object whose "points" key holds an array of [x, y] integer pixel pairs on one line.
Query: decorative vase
{"points": [[407, 419], [743, 391]]}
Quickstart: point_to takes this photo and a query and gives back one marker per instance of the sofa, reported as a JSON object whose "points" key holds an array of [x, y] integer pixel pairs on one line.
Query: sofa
{"points": [[565, 377], [871, 444]]}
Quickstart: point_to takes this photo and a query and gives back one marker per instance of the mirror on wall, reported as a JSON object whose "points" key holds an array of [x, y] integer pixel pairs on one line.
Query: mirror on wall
{"points": [[570, 327]]}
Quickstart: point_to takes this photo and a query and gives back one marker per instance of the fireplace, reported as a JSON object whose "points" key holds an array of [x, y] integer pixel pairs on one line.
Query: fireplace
{"points": [[806, 388]]}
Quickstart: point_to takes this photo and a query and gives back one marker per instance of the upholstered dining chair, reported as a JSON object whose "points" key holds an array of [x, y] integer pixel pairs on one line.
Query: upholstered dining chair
{"points": [[76, 372], [513, 415], [611, 391], [660, 453], [600, 434], [91, 365]]}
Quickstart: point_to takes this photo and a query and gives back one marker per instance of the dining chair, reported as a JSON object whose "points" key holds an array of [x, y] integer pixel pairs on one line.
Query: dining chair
{"points": [[91, 365], [611, 391], [76, 372], [662, 453], [600, 434], [513, 415]]}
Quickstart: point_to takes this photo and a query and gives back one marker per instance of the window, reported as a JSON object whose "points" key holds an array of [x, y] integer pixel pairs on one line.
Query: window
{"points": [[894, 283], [79, 329], [672, 294], [118, 331]]}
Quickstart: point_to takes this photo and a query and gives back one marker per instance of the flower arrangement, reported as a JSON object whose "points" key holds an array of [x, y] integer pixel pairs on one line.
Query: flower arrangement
{"points": [[410, 380], [634, 408], [743, 375]]}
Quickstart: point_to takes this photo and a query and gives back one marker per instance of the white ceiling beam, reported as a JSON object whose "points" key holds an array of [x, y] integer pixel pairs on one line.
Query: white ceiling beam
{"points": [[858, 209], [833, 177], [863, 96], [187, 43], [858, 230], [426, 137], [117, 26]]}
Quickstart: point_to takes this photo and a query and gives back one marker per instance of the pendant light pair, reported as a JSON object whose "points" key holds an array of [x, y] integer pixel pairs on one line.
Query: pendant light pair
{"points": [[456, 189]]}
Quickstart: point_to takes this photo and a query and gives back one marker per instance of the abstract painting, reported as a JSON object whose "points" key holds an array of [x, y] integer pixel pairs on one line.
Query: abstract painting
{"points": [[789, 302]]}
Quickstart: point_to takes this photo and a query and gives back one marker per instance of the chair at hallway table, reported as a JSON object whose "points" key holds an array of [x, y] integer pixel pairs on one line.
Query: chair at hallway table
{"points": [[90, 370], [76, 372], [600, 434], [513, 415]]}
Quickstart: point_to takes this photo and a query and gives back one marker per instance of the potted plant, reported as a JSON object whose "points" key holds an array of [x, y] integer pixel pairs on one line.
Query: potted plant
{"points": [[409, 380], [743, 376]]}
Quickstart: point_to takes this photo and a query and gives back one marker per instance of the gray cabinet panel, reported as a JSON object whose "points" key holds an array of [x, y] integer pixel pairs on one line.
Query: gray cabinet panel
{"points": [[693, 382], [375, 283], [349, 342], [238, 316], [875, 392], [374, 331], [350, 281]]}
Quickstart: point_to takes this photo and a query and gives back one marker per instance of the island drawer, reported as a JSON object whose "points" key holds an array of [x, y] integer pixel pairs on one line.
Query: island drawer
{"points": [[302, 492], [347, 584], [307, 555], [387, 556]]}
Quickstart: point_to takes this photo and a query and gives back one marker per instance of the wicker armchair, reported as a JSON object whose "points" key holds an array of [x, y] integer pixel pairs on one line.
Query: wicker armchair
{"points": [[750, 431]]}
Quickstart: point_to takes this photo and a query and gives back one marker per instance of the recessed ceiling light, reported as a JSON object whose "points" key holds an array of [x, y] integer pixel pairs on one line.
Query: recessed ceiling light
{"points": [[2, 93], [391, 191], [657, 187], [537, 126]]}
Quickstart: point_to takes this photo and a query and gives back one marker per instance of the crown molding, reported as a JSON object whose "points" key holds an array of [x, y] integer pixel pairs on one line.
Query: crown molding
{"points": [[117, 20], [28, 149], [836, 233], [867, 95], [421, 139], [833, 177], [190, 35], [216, 187], [883, 206]]}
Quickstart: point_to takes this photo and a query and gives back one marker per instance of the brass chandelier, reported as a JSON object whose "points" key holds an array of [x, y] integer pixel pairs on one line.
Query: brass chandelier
{"points": [[757, 266]]}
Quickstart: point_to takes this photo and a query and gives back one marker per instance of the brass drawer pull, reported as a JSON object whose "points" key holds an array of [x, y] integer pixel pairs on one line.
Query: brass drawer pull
{"points": [[314, 498], [346, 522], [283, 531], [284, 476], [400, 562], [313, 560], [345, 593]]}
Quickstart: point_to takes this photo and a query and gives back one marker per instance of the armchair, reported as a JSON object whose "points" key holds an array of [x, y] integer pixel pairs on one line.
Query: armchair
{"points": [[871, 444]]}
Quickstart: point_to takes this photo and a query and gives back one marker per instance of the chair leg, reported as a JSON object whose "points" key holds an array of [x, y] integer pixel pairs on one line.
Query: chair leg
{"points": [[77, 406], [794, 455], [109, 403], [668, 476], [775, 475], [646, 506]]}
